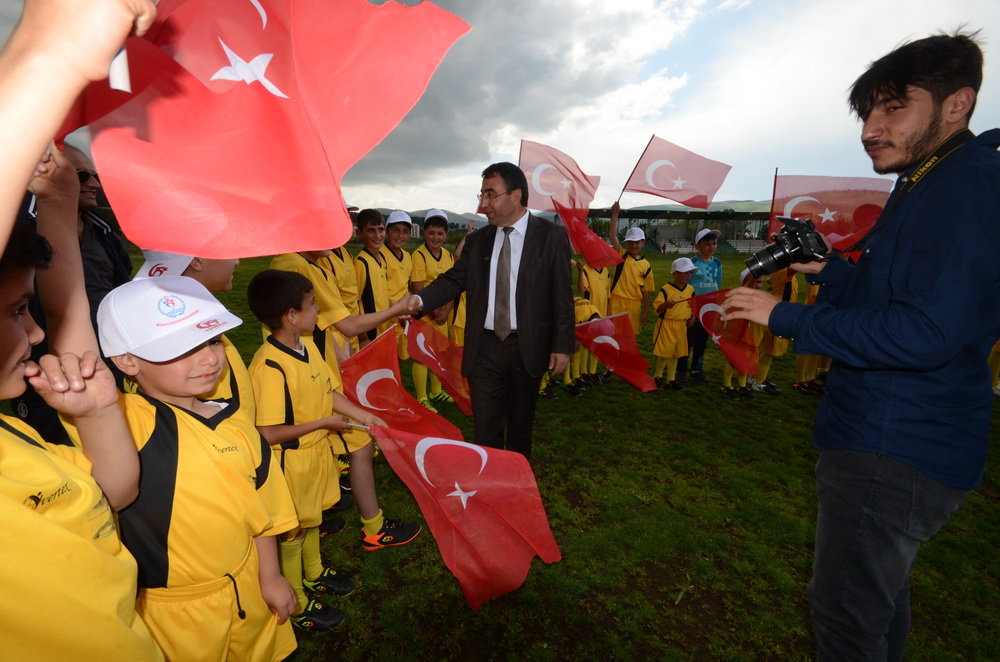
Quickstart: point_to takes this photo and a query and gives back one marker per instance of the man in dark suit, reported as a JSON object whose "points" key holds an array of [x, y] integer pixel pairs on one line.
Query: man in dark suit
{"points": [[519, 308]]}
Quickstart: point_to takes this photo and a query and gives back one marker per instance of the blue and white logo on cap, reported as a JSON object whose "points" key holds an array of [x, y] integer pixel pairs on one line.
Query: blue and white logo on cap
{"points": [[171, 305]]}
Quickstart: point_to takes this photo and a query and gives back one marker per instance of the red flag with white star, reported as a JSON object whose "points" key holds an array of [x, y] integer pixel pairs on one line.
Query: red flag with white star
{"points": [[595, 250], [482, 506], [672, 172], [554, 177], [733, 337], [439, 353], [612, 341], [842, 208], [247, 113], [371, 380]]}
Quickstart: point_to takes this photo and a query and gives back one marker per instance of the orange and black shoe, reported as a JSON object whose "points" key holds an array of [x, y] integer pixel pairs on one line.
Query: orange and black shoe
{"points": [[318, 616], [392, 534], [330, 581]]}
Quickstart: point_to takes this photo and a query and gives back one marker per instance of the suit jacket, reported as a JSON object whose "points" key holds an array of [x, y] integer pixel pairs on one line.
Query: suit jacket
{"points": [[543, 299]]}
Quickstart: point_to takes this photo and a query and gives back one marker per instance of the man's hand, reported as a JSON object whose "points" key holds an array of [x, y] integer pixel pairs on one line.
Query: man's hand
{"points": [[744, 303], [414, 304], [558, 362], [55, 180], [807, 267]]}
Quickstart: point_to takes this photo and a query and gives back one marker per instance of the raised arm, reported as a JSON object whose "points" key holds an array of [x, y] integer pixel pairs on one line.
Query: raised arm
{"points": [[613, 226]]}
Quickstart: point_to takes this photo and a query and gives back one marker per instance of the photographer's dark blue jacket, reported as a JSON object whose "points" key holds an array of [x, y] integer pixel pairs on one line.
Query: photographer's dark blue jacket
{"points": [[910, 326]]}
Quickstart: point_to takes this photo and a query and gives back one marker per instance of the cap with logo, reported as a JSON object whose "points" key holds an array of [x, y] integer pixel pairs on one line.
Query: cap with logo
{"points": [[159, 319], [162, 263], [398, 217]]}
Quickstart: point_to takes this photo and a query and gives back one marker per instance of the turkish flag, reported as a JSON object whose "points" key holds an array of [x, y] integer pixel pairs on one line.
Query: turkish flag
{"points": [[672, 172], [371, 380], [554, 176], [733, 337], [246, 116], [595, 250], [612, 341], [437, 351], [482, 506], [842, 208]]}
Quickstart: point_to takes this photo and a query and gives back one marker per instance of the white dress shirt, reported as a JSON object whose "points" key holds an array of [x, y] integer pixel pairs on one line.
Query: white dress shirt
{"points": [[516, 248]]}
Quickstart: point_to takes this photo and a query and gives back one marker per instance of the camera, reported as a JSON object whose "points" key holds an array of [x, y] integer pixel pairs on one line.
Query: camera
{"points": [[799, 241]]}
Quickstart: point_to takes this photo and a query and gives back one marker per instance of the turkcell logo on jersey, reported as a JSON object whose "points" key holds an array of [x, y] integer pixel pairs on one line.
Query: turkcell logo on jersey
{"points": [[171, 305]]}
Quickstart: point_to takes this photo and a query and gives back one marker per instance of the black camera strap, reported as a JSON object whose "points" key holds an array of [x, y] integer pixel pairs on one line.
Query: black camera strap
{"points": [[909, 183]]}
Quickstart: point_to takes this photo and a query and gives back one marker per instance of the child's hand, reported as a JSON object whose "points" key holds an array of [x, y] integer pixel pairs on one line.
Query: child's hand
{"points": [[73, 385], [372, 419], [336, 423], [55, 179], [471, 228], [401, 309], [440, 315], [671, 304], [278, 595]]}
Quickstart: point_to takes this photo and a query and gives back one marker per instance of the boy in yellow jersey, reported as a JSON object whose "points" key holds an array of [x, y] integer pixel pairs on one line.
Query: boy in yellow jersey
{"points": [[431, 260], [52, 496], [371, 268], [583, 311], [632, 281], [398, 267], [785, 286], [595, 286], [302, 405], [339, 264], [670, 333]]}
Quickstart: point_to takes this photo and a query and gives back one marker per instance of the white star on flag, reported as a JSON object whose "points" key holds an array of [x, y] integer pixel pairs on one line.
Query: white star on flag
{"points": [[463, 495], [247, 72], [827, 215], [566, 183], [679, 183], [716, 338]]}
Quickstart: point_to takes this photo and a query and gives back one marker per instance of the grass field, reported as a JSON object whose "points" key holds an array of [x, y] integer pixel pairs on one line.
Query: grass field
{"points": [[685, 521]]}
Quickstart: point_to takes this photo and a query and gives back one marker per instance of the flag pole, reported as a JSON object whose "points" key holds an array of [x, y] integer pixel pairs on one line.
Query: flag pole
{"points": [[636, 166]]}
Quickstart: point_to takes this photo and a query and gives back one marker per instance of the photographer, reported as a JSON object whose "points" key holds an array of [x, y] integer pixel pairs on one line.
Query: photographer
{"points": [[904, 427]]}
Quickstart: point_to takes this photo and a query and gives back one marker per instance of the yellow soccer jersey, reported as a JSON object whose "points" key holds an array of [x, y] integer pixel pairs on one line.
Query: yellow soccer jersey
{"points": [[373, 287], [681, 309], [62, 548], [597, 286], [207, 488], [584, 310], [398, 271], [426, 267], [632, 277], [340, 264]]}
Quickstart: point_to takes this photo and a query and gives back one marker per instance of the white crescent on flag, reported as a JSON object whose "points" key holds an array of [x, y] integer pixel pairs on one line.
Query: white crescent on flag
{"points": [[422, 344], [428, 443], [367, 380], [709, 307], [653, 167], [536, 179], [609, 340], [794, 202]]}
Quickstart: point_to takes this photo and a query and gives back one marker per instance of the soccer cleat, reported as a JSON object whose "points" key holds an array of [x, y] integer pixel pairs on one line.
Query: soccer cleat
{"points": [[442, 396], [768, 387], [676, 385], [549, 393], [318, 616], [589, 380], [392, 533], [606, 377], [427, 405], [817, 386], [730, 391], [747, 392], [804, 387], [343, 463], [345, 485], [660, 382], [346, 502], [699, 376], [332, 526], [574, 388], [330, 581]]}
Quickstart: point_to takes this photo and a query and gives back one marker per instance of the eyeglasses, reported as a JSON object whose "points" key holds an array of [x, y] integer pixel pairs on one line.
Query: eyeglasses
{"points": [[490, 195], [84, 175]]}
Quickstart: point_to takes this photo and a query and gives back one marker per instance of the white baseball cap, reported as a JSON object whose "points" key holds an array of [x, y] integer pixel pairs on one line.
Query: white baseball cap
{"points": [[702, 234], [436, 212], [398, 217], [159, 319], [683, 265], [162, 263], [635, 234]]}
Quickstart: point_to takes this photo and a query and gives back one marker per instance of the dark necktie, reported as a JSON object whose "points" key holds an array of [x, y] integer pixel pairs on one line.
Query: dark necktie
{"points": [[501, 305]]}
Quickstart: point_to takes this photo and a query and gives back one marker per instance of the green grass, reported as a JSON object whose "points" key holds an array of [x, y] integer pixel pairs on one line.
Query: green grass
{"points": [[685, 521]]}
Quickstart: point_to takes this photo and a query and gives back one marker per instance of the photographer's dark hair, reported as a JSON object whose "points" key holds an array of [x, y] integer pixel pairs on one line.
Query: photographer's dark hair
{"points": [[26, 249], [272, 293], [512, 176], [941, 64]]}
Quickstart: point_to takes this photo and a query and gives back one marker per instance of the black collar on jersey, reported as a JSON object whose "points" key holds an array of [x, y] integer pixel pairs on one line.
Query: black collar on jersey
{"points": [[20, 435], [284, 349], [909, 182]]}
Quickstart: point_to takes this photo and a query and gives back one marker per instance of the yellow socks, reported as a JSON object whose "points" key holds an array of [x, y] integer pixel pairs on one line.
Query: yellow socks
{"points": [[671, 370], [420, 380], [661, 363], [290, 562], [374, 525], [312, 562]]}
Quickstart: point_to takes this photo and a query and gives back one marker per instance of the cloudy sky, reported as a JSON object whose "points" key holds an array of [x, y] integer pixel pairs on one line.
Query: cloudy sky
{"points": [[757, 84]]}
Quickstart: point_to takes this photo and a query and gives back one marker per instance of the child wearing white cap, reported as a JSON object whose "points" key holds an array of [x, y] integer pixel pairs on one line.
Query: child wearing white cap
{"points": [[632, 281], [670, 334], [707, 278]]}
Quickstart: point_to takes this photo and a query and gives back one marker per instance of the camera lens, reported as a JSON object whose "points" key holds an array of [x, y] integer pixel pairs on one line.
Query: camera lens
{"points": [[768, 260]]}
